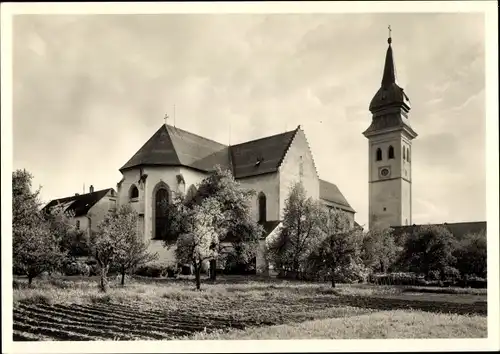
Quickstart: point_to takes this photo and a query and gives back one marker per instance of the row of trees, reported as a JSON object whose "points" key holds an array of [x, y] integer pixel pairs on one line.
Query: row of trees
{"points": [[216, 224], [44, 242], [316, 242]]}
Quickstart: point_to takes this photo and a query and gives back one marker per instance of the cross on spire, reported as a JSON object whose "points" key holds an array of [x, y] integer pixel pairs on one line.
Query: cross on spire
{"points": [[389, 40], [165, 118]]}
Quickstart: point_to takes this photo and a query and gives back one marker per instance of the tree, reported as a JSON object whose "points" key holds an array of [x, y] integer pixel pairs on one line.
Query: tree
{"points": [[338, 248], [117, 241], [71, 241], [429, 249], [35, 249], [471, 255], [379, 251], [300, 231], [199, 240], [131, 250], [238, 232]]}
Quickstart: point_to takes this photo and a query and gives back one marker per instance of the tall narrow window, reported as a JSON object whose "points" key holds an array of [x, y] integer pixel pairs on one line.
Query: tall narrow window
{"points": [[379, 155], [391, 152], [408, 155], [161, 209], [262, 207], [404, 153]]}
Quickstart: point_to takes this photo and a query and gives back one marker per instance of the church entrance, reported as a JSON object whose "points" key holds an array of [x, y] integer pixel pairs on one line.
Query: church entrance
{"points": [[161, 213]]}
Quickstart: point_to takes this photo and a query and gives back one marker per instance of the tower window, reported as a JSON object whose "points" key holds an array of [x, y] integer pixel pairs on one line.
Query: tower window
{"points": [[408, 155], [391, 152], [404, 153], [379, 155]]}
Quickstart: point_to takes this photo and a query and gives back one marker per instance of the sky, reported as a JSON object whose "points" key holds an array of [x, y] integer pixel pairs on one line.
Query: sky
{"points": [[89, 90]]}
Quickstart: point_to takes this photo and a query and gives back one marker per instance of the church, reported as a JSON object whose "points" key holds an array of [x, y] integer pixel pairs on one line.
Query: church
{"points": [[175, 160]]}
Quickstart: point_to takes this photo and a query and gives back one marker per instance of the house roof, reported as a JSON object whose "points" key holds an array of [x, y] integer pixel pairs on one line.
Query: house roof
{"points": [[331, 193], [79, 204], [171, 146], [260, 156], [459, 229]]}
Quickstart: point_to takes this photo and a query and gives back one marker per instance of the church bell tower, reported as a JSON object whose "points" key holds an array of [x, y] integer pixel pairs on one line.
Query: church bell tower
{"points": [[389, 147]]}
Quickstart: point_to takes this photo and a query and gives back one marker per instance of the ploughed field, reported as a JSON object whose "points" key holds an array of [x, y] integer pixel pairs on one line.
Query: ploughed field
{"points": [[151, 310]]}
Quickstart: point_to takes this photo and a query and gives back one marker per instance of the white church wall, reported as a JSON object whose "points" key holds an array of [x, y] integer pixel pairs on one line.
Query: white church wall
{"points": [[269, 185], [290, 170], [192, 177]]}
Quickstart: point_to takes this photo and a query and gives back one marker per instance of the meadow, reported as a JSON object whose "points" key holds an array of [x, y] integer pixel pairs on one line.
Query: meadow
{"points": [[73, 309]]}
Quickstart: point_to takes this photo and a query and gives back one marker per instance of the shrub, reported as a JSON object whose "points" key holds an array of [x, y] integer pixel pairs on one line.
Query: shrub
{"points": [[70, 268], [397, 279], [156, 270]]}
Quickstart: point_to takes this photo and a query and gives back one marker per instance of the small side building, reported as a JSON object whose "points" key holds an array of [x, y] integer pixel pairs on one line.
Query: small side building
{"points": [[88, 209]]}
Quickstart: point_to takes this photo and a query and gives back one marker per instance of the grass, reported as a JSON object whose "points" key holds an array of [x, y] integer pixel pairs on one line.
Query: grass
{"points": [[73, 309], [381, 325]]}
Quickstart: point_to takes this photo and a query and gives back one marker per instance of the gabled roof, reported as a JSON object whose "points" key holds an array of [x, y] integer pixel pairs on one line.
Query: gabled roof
{"points": [[331, 193], [459, 229], [260, 156], [79, 204], [171, 146]]}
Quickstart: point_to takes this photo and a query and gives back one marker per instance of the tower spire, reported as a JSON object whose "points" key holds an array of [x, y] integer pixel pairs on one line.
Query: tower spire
{"points": [[389, 76]]}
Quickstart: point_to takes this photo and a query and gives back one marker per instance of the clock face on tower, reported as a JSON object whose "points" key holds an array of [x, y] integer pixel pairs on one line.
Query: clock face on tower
{"points": [[384, 172]]}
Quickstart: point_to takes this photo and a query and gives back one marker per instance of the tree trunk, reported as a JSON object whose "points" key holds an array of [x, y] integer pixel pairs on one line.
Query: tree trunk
{"points": [[333, 280], [123, 276], [213, 267], [30, 280], [197, 271], [103, 285]]}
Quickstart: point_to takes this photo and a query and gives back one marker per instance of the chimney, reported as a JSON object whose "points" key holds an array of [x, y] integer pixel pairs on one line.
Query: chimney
{"points": [[91, 189], [76, 194]]}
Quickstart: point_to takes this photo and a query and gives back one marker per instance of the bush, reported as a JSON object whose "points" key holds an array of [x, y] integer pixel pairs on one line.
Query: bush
{"points": [[397, 279], [156, 270], [71, 267]]}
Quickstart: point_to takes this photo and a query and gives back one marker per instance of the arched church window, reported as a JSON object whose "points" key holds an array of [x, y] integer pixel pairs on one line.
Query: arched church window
{"points": [[379, 154], [134, 192], [262, 207], [408, 155], [161, 212], [404, 153], [391, 152]]}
